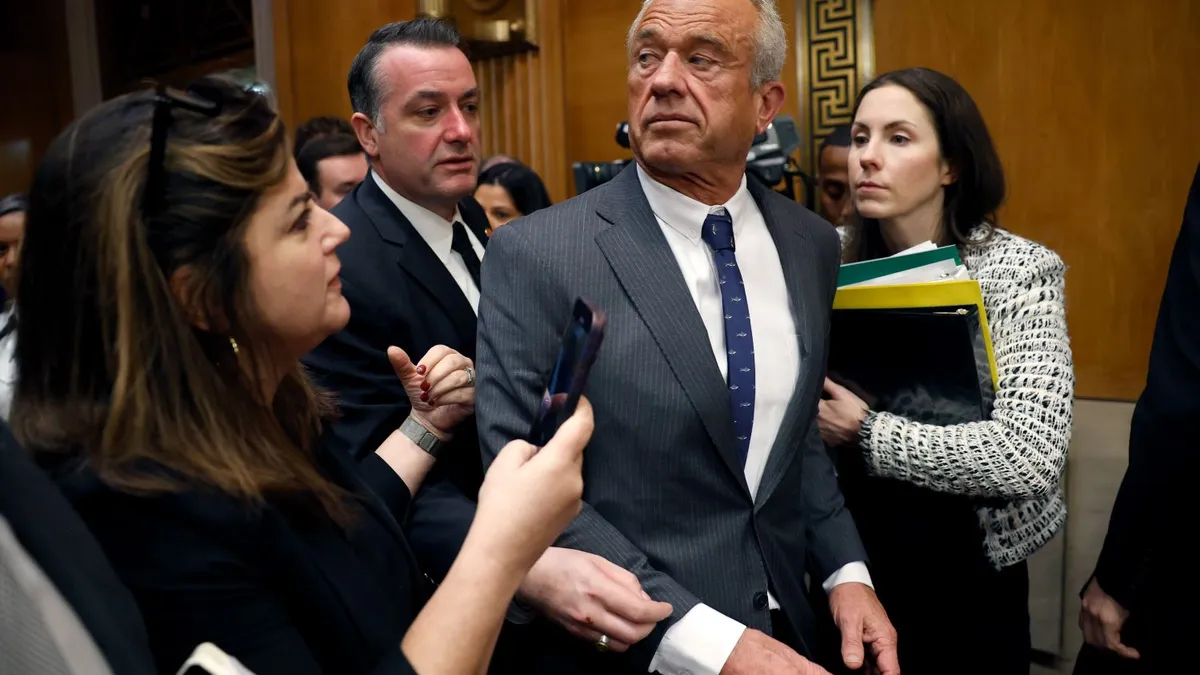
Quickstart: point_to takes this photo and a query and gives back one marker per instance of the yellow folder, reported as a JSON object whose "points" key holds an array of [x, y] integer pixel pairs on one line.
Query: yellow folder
{"points": [[931, 294]]}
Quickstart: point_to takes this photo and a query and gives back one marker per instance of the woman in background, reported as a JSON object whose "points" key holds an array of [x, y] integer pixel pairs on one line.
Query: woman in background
{"points": [[956, 583], [12, 230], [181, 271], [510, 190]]}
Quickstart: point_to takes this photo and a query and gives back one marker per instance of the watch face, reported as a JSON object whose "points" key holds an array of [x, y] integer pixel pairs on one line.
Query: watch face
{"points": [[486, 6]]}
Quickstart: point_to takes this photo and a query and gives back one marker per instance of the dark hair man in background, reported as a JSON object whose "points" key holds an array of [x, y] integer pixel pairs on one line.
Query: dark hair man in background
{"points": [[332, 165], [407, 267], [833, 176], [326, 125]]}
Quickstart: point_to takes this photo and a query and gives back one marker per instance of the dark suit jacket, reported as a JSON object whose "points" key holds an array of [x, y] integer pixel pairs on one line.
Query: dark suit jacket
{"points": [[665, 493], [1147, 536], [281, 587], [401, 294], [60, 543]]}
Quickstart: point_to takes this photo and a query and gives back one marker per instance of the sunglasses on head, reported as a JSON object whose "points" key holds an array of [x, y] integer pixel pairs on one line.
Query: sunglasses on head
{"points": [[166, 99]]}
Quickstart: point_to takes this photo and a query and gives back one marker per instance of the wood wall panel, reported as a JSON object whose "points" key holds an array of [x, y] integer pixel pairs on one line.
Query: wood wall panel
{"points": [[35, 76], [523, 112], [1093, 108], [315, 42], [523, 103], [595, 83]]}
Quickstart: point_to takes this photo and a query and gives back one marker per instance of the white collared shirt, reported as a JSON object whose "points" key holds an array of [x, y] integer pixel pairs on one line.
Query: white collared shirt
{"points": [[700, 643], [438, 233]]}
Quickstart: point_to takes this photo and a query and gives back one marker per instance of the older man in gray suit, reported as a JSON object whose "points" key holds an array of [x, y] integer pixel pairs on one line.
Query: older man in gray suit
{"points": [[706, 477]]}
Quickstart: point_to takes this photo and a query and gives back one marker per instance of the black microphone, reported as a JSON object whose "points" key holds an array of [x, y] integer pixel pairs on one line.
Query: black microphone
{"points": [[623, 134]]}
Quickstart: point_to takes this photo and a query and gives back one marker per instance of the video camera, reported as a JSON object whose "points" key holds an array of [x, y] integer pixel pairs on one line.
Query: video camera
{"points": [[769, 160]]}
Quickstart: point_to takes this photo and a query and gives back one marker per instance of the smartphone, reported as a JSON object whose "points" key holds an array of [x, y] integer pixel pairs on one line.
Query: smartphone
{"points": [[577, 352]]}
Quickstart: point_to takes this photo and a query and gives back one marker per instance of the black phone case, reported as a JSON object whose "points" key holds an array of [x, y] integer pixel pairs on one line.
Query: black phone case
{"points": [[554, 409]]}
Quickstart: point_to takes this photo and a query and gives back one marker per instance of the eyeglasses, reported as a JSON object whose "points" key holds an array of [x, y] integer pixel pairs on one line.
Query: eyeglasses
{"points": [[167, 99]]}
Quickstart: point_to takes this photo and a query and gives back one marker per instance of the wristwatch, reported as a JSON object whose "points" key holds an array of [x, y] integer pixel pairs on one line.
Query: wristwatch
{"points": [[424, 438]]}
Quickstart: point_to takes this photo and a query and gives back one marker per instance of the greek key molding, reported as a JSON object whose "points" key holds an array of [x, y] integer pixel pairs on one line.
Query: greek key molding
{"points": [[835, 59]]}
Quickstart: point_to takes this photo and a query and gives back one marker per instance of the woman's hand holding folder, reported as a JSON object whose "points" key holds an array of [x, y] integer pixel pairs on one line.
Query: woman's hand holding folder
{"points": [[841, 416]]}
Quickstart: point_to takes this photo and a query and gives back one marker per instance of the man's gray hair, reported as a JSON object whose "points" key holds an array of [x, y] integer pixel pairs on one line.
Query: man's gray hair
{"points": [[770, 41]]}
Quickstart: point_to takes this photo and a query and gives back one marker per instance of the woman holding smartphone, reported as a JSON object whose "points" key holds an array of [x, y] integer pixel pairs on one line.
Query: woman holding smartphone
{"points": [[923, 168], [181, 271]]}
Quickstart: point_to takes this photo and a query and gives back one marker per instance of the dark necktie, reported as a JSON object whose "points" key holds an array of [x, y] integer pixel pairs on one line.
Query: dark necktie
{"points": [[461, 244], [739, 340]]}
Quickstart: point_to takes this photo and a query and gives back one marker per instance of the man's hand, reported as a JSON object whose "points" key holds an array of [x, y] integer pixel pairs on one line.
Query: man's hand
{"points": [[757, 653], [590, 597], [861, 619], [1101, 618]]}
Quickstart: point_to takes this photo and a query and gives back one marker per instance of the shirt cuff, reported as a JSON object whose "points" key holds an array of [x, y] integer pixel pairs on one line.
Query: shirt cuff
{"points": [[698, 644], [855, 572]]}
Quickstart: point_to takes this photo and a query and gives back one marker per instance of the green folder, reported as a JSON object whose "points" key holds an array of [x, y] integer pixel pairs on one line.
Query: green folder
{"points": [[856, 273]]}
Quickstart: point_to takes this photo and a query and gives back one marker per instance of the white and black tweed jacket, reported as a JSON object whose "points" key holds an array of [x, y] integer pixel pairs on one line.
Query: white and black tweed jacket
{"points": [[1020, 453]]}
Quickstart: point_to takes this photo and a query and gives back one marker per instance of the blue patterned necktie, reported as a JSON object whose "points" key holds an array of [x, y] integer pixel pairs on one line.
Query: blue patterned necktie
{"points": [[739, 340]]}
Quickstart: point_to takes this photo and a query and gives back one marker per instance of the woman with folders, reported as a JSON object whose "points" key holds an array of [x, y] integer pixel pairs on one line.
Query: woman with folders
{"points": [[951, 510]]}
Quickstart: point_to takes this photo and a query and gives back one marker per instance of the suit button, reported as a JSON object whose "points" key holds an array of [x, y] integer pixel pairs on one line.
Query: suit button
{"points": [[760, 600]]}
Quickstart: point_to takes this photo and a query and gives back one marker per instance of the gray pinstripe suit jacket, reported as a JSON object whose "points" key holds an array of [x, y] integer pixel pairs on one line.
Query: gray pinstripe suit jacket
{"points": [[665, 495]]}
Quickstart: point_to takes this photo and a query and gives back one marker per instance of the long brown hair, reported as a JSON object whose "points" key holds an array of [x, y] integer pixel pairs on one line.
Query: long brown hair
{"points": [[970, 202], [112, 368]]}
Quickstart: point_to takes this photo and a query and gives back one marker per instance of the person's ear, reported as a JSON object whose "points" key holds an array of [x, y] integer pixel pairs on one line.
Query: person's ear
{"points": [[191, 301], [367, 133], [949, 174], [770, 101]]}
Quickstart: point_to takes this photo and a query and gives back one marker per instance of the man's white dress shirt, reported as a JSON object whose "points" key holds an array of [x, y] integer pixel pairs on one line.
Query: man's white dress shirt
{"points": [[438, 233], [700, 643]]}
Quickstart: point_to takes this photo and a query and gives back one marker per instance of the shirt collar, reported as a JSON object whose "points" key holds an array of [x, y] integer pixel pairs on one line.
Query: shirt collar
{"points": [[686, 215], [437, 232]]}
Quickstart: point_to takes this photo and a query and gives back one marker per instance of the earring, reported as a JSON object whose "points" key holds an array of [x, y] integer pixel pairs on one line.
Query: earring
{"points": [[233, 343]]}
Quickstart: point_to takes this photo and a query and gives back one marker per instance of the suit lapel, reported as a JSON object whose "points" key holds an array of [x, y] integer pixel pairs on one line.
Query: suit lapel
{"points": [[796, 256], [415, 257], [647, 270]]}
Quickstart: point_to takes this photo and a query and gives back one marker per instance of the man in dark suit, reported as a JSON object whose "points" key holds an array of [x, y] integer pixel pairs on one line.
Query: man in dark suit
{"points": [[410, 267], [1137, 615], [706, 476], [410, 272]]}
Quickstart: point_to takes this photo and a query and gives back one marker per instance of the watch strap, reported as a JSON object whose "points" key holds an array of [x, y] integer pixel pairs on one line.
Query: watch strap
{"points": [[424, 438]]}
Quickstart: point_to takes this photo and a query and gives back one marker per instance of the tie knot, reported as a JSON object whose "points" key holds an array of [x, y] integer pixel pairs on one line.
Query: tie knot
{"points": [[718, 232]]}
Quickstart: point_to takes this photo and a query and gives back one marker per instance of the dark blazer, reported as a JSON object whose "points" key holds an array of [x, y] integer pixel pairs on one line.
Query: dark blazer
{"points": [[60, 543], [401, 294], [1147, 533], [281, 587], [665, 494]]}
